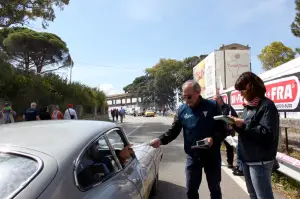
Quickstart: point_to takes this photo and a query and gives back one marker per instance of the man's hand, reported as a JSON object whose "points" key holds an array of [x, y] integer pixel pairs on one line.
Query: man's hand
{"points": [[238, 122], [210, 141], [126, 152], [155, 143]]}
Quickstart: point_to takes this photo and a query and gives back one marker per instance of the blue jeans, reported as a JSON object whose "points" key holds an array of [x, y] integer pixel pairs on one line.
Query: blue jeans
{"points": [[193, 171], [258, 180], [239, 162]]}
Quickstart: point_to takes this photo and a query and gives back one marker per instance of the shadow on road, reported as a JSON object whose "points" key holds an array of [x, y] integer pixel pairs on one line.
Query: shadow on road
{"points": [[169, 190]]}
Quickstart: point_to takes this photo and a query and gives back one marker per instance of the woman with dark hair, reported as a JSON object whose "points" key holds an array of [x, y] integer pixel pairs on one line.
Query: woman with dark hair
{"points": [[44, 113], [258, 135]]}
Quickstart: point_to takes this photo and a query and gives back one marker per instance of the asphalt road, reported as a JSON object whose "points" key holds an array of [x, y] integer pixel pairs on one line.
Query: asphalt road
{"points": [[171, 173]]}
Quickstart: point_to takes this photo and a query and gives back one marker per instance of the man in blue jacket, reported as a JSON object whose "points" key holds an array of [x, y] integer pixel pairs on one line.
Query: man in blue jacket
{"points": [[196, 119]]}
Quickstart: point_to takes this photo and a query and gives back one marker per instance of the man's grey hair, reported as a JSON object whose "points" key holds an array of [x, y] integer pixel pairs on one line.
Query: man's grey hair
{"points": [[33, 105], [196, 86]]}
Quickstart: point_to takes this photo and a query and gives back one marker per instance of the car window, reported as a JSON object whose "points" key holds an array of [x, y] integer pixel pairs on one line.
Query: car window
{"points": [[16, 171], [118, 142], [96, 165]]}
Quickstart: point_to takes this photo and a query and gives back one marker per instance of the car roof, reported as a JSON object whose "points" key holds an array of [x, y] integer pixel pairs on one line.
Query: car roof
{"points": [[57, 138]]}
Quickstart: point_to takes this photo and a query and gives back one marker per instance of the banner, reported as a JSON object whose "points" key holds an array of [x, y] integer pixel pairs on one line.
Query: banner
{"points": [[199, 76], [284, 92], [210, 75]]}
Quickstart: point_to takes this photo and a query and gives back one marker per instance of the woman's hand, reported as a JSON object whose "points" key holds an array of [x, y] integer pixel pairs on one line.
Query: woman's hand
{"points": [[238, 122]]}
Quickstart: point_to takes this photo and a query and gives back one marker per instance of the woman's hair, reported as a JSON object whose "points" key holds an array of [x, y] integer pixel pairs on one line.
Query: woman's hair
{"points": [[251, 84]]}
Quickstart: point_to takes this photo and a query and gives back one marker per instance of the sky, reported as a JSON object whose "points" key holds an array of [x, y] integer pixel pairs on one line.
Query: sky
{"points": [[113, 42]]}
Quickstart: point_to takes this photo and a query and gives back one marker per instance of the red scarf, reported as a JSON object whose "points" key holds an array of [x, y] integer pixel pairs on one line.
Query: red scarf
{"points": [[253, 103]]}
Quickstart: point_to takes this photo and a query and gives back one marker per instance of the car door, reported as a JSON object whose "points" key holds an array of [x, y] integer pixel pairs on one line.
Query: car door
{"points": [[132, 169], [98, 173]]}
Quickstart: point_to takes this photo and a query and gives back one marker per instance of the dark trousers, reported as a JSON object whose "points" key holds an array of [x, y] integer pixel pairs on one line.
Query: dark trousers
{"points": [[229, 153], [193, 171]]}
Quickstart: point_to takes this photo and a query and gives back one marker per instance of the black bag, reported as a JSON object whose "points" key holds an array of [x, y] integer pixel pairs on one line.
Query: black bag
{"points": [[72, 116], [275, 166]]}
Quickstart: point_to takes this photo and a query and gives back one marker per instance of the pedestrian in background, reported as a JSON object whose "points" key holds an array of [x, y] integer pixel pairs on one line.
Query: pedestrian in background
{"points": [[258, 135], [44, 113], [31, 114], [196, 119], [57, 114], [227, 110], [7, 114], [117, 114], [122, 114], [70, 113], [112, 112]]}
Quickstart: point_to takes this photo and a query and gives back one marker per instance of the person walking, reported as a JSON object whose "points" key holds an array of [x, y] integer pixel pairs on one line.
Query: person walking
{"points": [[70, 113], [227, 110], [196, 119], [113, 114], [122, 114], [7, 114], [31, 114], [258, 137], [57, 114], [44, 113], [117, 114]]}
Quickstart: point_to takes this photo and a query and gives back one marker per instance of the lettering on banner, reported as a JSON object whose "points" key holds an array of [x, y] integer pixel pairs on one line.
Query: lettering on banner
{"points": [[284, 92], [236, 100]]}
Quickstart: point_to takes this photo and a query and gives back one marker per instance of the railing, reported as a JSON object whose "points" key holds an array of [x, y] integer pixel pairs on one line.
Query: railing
{"points": [[289, 166]]}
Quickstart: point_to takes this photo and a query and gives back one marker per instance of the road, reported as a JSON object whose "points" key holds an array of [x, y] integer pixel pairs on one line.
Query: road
{"points": [[171, 173]]}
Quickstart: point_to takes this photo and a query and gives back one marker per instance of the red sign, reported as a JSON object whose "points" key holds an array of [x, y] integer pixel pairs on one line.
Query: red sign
{"points": [[284, 92], [236, 100], [225, 98]]}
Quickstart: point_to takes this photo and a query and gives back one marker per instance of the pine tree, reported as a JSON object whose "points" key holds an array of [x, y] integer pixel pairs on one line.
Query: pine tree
{"points": [[295, 26]]}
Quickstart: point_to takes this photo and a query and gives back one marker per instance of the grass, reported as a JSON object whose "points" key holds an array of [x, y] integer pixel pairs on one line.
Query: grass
{"points": [[290, 188]]}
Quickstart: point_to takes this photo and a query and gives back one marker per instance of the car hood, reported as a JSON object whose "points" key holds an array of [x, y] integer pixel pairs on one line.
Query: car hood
{"points": [[144, 149]]}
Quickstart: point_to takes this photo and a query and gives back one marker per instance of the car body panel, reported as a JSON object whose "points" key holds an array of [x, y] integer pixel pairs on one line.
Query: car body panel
{"points": [[41, 181], [59, 144]]}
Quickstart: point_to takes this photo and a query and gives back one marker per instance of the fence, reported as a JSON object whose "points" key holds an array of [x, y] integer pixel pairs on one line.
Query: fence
{"points": [[289, 166]]}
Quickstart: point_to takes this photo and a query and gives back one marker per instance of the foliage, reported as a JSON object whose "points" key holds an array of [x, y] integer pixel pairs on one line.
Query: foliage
{"points": [[295, 26], [20, 12], [159, 84], [21, 89], [275, 55], [28, 49]]}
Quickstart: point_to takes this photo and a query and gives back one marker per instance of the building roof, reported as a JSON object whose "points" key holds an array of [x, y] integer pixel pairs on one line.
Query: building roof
{"points": [[57, 138], [117, 96], [235, 46]]}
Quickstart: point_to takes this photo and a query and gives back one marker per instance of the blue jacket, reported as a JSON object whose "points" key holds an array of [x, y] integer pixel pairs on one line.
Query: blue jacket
{"points": [[197, 123]]}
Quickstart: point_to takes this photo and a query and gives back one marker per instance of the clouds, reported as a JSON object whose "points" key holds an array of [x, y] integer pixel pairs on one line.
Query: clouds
{"points": [[109, 89]]}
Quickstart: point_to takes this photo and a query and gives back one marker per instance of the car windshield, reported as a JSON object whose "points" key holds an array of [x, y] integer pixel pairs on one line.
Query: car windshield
{"points": [[15, 171]]}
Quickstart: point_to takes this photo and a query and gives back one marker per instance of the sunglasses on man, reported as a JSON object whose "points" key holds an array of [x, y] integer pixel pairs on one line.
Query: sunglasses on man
{"points": [[189, 97]]}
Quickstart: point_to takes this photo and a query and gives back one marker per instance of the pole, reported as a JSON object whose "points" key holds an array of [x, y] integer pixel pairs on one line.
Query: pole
{"points": [[286, 136], [248, 48], [71, 74], [225, 85]]}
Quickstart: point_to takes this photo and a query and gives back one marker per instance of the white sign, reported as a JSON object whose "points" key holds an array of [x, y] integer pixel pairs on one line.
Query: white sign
{"points": [[237, 62], [210, 75]]}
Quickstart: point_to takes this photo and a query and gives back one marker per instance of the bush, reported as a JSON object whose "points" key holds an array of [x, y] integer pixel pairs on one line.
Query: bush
{"points": [[21, 89]]}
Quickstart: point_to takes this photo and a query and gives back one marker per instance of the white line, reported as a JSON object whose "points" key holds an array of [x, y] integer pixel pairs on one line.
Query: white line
{"points": [[236, 179], [136, 128]]}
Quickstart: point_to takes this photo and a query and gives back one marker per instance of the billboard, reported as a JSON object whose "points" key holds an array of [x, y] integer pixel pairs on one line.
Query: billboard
{"points": [[199, 76], [237, 62], [210, 75]]}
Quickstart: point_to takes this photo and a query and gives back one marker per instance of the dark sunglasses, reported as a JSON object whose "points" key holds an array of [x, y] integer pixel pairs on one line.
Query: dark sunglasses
{"points": [[187, 97]]}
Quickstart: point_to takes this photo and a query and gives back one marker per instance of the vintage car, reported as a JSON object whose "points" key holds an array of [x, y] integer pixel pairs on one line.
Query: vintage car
{"points": [[74, 159], [149, 113]]}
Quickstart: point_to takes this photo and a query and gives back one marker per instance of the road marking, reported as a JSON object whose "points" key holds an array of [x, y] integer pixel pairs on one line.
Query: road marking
{"points": [[136, 127], [236, 179]]}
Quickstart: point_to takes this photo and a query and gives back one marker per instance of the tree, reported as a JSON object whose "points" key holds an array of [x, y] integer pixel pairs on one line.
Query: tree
{"points": [[14, 12], [28, 49], [295, 26], [275, 55]]}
